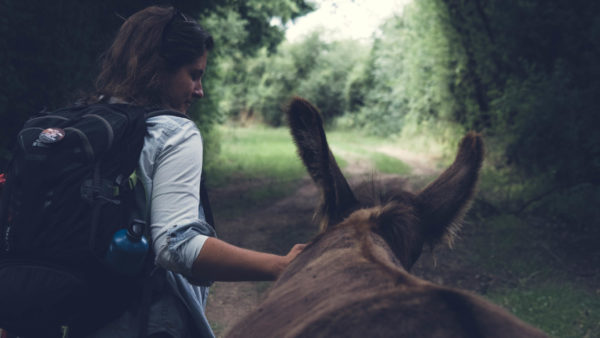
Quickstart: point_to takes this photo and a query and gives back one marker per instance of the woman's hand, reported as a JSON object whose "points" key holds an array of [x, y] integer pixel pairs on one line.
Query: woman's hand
{"points": [[296, 249], [284, 261]]}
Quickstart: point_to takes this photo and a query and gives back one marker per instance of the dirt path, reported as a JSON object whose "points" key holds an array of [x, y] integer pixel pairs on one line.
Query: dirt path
{"points": [[271, 229], [421, 164]]}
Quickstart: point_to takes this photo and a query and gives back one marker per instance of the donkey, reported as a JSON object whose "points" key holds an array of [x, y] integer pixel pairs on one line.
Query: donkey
{"points": [[352, 280]]}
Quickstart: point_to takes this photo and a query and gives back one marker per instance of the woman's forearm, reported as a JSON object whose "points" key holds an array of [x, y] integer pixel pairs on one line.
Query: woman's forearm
{"points": [[221, 261]]}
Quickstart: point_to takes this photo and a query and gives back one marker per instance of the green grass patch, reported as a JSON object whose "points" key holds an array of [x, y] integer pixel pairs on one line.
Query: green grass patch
{"points": [[389, 165], [350, 139], [531, 280], [254, 153], [263, 153], [509, 246], [559, 309], [340, 160], [364, 146]]}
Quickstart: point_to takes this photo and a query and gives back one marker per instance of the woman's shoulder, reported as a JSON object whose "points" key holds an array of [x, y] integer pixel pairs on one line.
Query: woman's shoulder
{"points": [[169, 120], [170, 129]]}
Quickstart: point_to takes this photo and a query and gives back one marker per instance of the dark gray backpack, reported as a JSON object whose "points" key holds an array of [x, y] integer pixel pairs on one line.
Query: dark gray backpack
{"points": [[67, 191]]}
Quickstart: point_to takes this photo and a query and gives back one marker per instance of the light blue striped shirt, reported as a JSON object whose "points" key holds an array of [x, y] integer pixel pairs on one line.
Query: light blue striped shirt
{"points": [[169, 169]]}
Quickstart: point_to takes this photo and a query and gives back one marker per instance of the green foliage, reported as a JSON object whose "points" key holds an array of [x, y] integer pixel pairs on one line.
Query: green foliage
{"points": [[254, 154], [408, 74], [274, 87], [326, 84], [533, 70], [311, 68], [525, 73], [256, 16]]}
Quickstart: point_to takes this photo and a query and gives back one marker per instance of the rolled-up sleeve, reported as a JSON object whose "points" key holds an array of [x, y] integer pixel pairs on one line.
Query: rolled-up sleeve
{"points": [[172, 161]]}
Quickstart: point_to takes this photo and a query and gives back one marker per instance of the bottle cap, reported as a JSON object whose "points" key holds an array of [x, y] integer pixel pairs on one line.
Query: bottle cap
{"points": [[136, 229]]}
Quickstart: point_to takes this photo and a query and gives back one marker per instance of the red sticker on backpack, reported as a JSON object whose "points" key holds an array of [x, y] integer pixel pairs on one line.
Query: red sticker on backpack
{"points": [[51, 135]]}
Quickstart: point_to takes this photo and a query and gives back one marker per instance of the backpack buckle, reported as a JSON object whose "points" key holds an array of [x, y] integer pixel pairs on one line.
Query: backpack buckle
{"points": [[105, 191]]}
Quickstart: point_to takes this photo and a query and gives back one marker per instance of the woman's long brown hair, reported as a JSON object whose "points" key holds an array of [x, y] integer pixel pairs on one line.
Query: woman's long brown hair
{"points": [[150, 44]]}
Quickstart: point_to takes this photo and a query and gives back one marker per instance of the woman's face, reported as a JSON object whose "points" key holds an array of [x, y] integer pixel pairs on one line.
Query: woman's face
{"points": [[184, 86]]}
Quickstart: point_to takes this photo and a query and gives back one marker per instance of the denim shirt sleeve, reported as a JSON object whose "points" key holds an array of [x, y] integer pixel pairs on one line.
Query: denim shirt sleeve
{"points": [[170, 169]]}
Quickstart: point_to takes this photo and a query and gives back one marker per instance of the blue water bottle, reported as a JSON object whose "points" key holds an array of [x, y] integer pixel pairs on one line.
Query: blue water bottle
{"points": [[127, 250]]}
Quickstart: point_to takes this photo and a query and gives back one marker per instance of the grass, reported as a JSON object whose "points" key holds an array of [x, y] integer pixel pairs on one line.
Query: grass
{"points": [[254, 154], [534, 280], [389, 165], [262, 153], [560, 309], [536, 257], [510, 246], [361, 146]]}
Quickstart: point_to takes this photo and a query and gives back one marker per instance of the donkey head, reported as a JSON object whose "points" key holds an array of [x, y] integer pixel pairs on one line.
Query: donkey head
{"points": [[405, 220]]}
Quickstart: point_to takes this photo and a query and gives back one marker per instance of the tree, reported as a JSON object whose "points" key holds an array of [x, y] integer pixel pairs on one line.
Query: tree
{"points": [[525, 72]]}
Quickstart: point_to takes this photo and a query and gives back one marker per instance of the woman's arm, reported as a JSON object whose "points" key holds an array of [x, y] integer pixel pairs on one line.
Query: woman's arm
{"points": [[174, 197], [221, 261]]}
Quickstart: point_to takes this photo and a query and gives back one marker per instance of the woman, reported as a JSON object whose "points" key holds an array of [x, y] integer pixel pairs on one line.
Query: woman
{"points": [[158, 60]]}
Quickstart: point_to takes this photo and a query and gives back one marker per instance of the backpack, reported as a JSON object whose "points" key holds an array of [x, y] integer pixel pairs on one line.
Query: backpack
{"points": [[67, 191]]}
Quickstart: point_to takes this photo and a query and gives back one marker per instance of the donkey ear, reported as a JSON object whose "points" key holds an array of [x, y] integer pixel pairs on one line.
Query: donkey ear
{"points": [[444, 202], [306, 127]]}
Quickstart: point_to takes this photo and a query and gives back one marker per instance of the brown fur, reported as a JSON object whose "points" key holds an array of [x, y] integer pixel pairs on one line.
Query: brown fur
{"points": [[353, 280]]}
